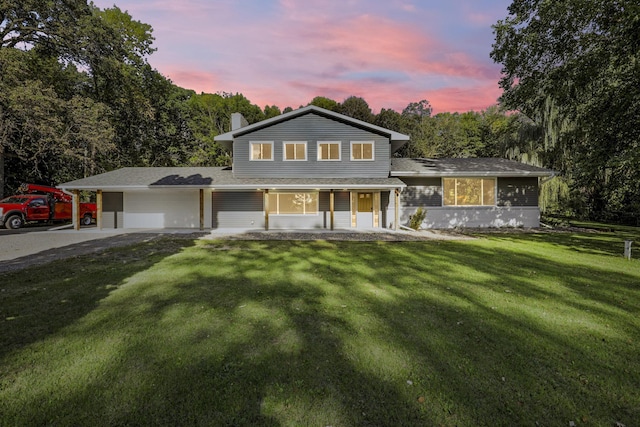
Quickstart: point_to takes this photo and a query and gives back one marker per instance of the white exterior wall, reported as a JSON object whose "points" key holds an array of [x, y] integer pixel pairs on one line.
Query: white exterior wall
{"points": [[160, 208], [490, 216]]}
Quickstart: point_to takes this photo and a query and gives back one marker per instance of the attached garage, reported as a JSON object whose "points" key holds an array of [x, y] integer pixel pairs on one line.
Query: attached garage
{"points": [[161, 208]]}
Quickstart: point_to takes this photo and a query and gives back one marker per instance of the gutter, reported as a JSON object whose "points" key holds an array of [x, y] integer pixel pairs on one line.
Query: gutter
{"points": [[548, 178]]}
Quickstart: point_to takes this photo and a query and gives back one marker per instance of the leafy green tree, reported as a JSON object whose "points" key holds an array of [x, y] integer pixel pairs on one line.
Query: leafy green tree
{"points": [[572, 67], [271, 111], [326, 103], [357, 108]]}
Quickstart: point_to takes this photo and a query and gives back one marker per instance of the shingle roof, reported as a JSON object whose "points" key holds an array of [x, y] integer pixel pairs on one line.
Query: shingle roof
{"points": [[213, 177], [465, 167], [393, 135]]}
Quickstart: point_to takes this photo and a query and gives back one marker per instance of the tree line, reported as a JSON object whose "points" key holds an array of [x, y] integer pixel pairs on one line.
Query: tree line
{"points": [[78, 97]]}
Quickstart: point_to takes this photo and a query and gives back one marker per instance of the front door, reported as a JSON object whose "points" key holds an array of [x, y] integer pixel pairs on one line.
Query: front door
{"points": [[365, 210]]}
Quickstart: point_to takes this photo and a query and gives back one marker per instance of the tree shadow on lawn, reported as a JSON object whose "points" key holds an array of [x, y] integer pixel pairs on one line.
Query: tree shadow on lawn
{"points": [[39, 301], [596, 242], [319, 333]]}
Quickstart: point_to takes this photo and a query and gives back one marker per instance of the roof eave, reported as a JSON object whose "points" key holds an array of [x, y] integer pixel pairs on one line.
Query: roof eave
{"points": [[471, 174], [230, 136]]}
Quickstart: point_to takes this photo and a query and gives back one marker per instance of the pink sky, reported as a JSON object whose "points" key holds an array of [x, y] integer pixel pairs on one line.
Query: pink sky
{"points": [[286, 52]]}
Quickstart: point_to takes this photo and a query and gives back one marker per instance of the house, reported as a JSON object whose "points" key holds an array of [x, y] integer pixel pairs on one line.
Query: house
{"points": [[314, 168]]}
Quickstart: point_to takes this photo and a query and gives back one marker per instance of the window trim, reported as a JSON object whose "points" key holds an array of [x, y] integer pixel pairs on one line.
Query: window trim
{"points": [[251, 143], [277, 205], [481, 178], [373, 151], [339, 143], [284, 151]]}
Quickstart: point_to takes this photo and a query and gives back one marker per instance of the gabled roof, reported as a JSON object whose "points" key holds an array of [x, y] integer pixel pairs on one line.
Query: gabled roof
{"points": [[218, 178], [465, 167], [392, 135]]}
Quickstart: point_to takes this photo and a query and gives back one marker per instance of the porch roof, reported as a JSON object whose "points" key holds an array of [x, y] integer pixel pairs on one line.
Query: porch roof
{"points": [[218, 178]]}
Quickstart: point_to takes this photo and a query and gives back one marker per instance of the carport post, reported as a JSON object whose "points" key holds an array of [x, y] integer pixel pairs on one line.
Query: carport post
{"points": [[99, 209], [76, 209]]}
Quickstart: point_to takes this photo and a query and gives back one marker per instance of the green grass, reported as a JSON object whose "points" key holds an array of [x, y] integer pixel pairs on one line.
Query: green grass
{"points": [[508, 329]]}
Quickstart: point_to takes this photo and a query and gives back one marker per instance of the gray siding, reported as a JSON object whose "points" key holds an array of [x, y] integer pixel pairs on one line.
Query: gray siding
{"points": [[480, 216], [517, 191], [421, 192], [237, 209], [311, 128]]}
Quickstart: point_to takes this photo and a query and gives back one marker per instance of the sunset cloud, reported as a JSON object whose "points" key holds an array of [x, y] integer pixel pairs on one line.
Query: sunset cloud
{"points": [[286, 52]]}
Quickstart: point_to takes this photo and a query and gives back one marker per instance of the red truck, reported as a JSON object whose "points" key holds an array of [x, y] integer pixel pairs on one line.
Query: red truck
{"points": [[41, 204]]}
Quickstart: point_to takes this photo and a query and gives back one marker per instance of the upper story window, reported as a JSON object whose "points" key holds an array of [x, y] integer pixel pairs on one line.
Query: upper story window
{"points": [[329, 150], [469, 191], [295, 150], [262, 150], [362, 150]]}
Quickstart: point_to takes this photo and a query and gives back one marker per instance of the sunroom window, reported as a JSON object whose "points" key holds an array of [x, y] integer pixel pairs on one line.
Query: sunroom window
{"points": [[469, 191]]}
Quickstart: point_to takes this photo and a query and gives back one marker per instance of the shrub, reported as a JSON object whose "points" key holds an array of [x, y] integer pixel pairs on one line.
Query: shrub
{"points": [[415, 220]]}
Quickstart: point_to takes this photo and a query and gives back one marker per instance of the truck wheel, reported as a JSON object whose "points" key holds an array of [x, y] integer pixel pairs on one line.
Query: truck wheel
{"points": [[86, 220], [14, 222]]}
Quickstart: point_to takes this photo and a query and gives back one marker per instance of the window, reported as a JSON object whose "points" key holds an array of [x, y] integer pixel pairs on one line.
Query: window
{"points": [[294, 150], [362, 150], [262, 150], [329, 150], [293, 203], [469, 191]]}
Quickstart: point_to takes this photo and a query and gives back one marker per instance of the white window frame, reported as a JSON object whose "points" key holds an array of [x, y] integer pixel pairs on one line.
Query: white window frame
{"points": [[339, 143], [284, 151], [455, 197], [276, 208], [251, 144], [373, 151]]}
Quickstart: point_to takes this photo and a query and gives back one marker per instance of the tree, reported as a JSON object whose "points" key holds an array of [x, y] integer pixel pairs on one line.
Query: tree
{"points": [[357, 108], [271, 111], [326, 103], [572, 67]]}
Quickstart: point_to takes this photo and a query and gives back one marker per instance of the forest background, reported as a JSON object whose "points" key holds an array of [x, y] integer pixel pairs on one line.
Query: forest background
{"points": [[78, 97]]}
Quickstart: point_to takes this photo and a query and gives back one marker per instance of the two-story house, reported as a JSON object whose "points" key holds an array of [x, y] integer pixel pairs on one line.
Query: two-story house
{"points": [[314, 168]]}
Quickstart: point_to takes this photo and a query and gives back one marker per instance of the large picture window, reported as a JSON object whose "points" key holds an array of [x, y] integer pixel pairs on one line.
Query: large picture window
{"points": [[294, 150], [362, 150], [329, 151], [293, 203], [469, 191], [262, 150]]}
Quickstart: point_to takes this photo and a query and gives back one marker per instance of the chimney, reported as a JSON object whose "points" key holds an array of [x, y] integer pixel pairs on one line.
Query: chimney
{"points": [[238, 121]]}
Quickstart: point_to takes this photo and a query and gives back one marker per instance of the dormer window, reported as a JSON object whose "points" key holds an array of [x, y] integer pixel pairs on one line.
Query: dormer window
{"points": [[262, 150], [362, 150], [295, 150]]}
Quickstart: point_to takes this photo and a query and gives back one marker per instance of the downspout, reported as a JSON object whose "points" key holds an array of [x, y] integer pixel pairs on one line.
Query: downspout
{"points": [[548, 178]]}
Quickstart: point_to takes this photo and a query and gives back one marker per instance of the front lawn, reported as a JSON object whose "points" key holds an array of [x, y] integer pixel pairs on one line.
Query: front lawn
{"points": [[507, 329]]}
